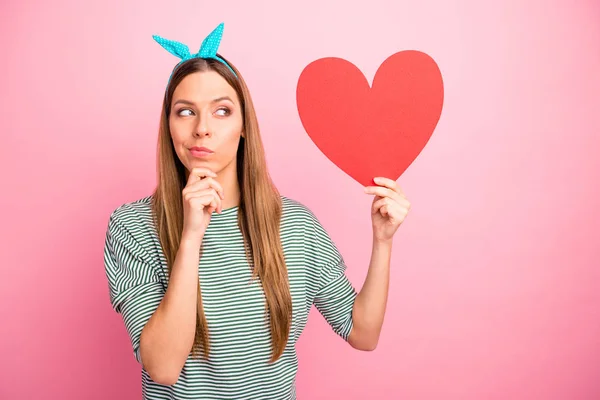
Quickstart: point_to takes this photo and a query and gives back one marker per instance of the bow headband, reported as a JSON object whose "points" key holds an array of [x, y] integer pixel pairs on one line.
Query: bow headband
{"points": [[208, 49]]}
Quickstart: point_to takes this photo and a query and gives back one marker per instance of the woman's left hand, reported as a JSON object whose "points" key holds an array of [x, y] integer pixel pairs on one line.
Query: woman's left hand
{"points": [[389, 209]]}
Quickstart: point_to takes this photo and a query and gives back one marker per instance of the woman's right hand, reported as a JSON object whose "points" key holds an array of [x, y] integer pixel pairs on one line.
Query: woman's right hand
{"points": [[201, 196]]}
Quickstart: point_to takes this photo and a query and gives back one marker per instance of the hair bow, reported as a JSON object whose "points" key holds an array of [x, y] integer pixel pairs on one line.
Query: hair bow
{"points": [[208, 49]]}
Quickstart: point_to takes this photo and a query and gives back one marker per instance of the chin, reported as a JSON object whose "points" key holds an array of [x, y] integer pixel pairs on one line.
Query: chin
{"points": [[198, 163], [195, 163]]}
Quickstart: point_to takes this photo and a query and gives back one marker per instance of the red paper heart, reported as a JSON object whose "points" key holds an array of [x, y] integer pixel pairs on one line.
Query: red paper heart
{"points": [[369, 132]]}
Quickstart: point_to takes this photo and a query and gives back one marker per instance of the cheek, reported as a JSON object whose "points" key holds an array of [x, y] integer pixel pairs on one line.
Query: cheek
{"points": [[177, 138], [231, 137], [228, 146], [176, 135]]}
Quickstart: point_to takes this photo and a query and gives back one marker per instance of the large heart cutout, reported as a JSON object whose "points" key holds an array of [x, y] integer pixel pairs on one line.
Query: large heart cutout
{"points": [[371, 131]]}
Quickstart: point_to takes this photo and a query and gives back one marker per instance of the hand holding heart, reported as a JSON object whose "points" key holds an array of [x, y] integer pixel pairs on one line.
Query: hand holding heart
{"points": [[389, 208], [373, 131]]}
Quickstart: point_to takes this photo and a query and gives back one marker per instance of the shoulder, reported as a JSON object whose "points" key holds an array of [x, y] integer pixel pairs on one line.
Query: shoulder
{"points": [[298, 216], [131, 235], [294, 211], [132, 211], [299, 221], [134, 218]]}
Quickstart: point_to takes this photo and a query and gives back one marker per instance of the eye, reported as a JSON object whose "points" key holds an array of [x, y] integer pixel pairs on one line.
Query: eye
{"points": [[223, 111], [183, 111]]}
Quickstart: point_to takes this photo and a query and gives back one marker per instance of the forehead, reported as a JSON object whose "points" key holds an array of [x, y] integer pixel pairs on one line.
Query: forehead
{"points": [[203, 87]]}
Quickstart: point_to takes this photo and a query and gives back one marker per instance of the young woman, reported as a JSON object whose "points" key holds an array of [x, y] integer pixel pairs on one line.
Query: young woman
{"points": [[215, 272]]}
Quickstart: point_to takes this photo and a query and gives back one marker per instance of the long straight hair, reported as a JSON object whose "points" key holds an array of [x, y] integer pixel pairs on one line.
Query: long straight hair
{"points": [[259, 210]]}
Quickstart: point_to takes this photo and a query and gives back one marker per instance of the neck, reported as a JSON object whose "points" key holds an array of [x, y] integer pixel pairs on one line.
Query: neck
{"points": [[228, 179]]}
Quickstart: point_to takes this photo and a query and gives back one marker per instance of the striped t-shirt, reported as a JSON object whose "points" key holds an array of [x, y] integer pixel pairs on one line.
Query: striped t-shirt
{"points": [[240, 344]]}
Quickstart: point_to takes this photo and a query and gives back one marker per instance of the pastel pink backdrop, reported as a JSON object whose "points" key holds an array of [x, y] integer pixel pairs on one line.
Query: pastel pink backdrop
{"points": [[495, 288]]}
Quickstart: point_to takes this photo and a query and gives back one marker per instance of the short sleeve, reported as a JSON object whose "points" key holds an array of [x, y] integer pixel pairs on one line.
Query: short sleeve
{"points": [[335, 295], [134, 284]]}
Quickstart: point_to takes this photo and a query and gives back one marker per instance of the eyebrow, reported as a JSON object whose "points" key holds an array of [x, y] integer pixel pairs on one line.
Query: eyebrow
{"points": [[191, 103]]}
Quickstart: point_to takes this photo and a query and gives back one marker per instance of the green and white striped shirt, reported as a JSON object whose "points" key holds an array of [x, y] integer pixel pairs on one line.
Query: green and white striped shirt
{"points": [[234, 304]]}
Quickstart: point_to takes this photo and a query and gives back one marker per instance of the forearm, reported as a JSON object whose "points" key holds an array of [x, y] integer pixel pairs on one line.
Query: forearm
{"points": [[167, 338], [370, 304]]}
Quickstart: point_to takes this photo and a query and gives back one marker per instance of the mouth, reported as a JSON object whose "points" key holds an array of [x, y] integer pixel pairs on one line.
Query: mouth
{"points": [[200, 152]]}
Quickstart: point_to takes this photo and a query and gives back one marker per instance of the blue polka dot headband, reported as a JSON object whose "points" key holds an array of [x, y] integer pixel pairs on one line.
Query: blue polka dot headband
{"points": [[208, 49]]}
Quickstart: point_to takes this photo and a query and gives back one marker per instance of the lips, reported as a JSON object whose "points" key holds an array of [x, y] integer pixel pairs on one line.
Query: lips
{"points": [[200, 152], [203, 149]]}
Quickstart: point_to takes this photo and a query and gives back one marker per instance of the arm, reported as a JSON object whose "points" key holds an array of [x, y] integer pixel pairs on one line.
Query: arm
{"points": [[369, 307], [388, 211], [167, 338]]}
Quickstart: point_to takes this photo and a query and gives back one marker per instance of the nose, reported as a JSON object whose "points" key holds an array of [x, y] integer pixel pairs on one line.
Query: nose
{"points": [[202, 128]]}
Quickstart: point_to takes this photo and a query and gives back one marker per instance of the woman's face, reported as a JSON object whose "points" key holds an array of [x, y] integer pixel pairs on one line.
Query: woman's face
{"points": [[206, 122]]}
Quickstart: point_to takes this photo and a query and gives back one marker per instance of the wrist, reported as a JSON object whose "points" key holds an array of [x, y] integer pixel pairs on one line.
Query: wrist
{"points": [[191, 239], [382, 243]]}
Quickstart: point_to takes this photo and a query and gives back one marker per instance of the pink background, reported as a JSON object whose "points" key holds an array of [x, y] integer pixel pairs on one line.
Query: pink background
{"points": [[495, 283]]}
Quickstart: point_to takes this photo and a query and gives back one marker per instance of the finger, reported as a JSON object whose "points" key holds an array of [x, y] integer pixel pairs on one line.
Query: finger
{"points": [[388, 183], [204, 194], [200, 193], [202, 172], [394, 212], [384, 201], [384, 210], [212, 182], [208, 202], [211, 202], [198, 173], [205, 183], [383, 192], [378, 204]]}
